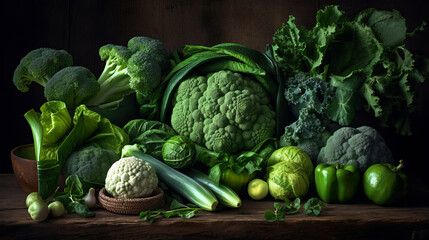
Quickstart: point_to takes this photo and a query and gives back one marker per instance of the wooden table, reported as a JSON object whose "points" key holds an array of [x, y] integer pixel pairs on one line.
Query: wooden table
{"points": [[362, 220]]}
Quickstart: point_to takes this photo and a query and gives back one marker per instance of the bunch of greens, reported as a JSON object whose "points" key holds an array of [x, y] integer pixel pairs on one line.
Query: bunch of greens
{"points": [[309, 98], [73, 197], [56, 135], [281, 211], [362, 64], [150, 135]]}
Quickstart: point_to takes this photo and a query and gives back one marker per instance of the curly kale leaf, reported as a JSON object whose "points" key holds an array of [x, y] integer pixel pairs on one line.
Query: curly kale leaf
{"points": [[310, 98]]}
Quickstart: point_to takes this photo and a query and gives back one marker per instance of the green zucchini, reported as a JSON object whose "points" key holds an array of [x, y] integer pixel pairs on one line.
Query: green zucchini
{"points": [[227, 197], [184, 185]]}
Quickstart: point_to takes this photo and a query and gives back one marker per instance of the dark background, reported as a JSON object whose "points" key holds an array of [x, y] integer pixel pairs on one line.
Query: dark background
{"points": [[82, 26]]}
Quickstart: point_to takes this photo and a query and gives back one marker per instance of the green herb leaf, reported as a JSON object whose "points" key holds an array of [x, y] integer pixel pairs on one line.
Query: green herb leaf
{"points": [[281, 211], [314, 206]]}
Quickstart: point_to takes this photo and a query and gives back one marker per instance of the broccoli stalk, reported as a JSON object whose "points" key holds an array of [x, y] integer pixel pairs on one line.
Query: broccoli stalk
{"points": [[132, 69]]}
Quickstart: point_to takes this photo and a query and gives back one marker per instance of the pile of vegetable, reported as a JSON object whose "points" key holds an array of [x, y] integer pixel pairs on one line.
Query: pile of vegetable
{"points": [[227, 122], [344, 71]]}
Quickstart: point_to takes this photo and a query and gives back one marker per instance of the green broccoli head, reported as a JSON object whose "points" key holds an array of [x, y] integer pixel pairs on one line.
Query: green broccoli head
{"points": [[154, 48], [127, 70], [71, 85], [224, 111], [362, 147], [116, 57], [91, 164], [39, 66], [144, 72]]}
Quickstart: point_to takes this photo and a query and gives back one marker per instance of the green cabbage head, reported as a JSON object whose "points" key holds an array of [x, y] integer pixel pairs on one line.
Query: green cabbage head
{"points": [[179, 152], [289, 173]]}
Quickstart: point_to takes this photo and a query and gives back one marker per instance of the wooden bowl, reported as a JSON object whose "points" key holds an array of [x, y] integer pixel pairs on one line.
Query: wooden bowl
{"points": [[25, 168], [131, 206]]}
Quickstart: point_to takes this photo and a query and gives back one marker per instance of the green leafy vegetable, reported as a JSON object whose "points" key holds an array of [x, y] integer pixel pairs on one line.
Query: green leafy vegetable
{"points": [[309, 98], [39, 65], [313, 206], [150, 135], [90, 164], [288, 173], [137, 67], [281, 211], [179, 152], [56, 135], [73, 197], [72, 85], [364, 60], [176, 209]]}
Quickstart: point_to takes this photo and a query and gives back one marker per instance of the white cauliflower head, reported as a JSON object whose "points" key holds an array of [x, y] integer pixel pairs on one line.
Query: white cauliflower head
{"points": [[131, 177]]}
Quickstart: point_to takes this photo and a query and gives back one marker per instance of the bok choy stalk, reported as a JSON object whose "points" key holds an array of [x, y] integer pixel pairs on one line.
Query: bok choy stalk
{"points": [[55, 136]]}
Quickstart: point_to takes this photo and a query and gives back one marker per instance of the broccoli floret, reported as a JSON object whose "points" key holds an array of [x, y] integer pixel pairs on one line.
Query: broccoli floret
{"points": [[39, 66], [71, 85], [154, 48], [223, 111], [91, 164], [116, 57], [145, 73], [133, 69], [362, 147]]}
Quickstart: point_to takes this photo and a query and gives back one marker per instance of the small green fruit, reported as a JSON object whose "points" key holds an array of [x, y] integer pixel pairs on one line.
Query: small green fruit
{"points": [[32, 197], [56, 209], [38, 211], [257, 189]]}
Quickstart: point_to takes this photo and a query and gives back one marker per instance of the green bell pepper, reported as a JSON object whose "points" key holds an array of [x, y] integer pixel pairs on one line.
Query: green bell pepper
{"points": [[336, 183], [237, 181], [385, 184]]}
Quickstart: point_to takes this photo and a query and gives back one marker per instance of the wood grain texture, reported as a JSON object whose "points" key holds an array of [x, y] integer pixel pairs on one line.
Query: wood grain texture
{"points": [[361, 220]]}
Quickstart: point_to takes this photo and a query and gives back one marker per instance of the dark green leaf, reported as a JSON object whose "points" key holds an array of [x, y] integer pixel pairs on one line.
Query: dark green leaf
{"points": [[270, 216], [314, 206]]}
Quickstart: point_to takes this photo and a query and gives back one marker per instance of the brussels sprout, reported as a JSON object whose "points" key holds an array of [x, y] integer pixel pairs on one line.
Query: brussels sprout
{"points": [[179, 152]]}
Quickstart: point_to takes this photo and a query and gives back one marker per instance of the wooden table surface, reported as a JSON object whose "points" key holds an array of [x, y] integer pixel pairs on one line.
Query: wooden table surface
{"points": [[361, 220]]}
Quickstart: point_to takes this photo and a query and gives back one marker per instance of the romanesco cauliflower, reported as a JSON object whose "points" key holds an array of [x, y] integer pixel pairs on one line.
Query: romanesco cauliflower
{"points": [[131, 177], [224, 111]]}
